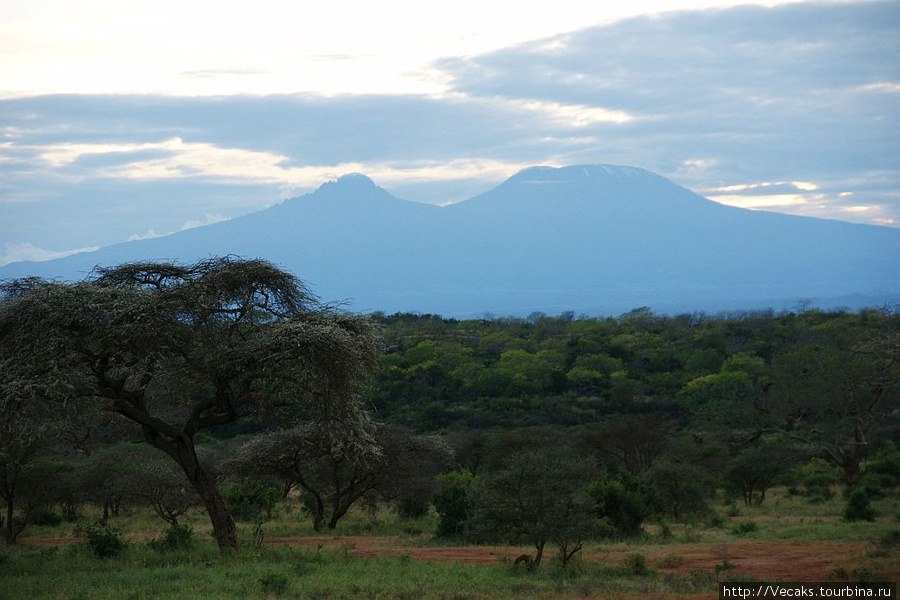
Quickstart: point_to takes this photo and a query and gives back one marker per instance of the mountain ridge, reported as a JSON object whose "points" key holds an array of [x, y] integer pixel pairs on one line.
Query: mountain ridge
{"points": [[590, 238]]}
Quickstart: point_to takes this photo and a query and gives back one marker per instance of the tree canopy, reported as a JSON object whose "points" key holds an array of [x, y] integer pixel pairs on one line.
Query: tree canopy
{"points": [[177, 349]]}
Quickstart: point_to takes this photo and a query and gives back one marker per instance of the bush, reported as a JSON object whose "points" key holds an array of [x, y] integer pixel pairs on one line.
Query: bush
{"points": [[453, 502], [177, 537], [44, 516], [636, 564], [886, 545], [104, 542], [858, 507], [274, 583], [622, 503], [744, 528], [251, 499], [413, 507], [818, 477]]}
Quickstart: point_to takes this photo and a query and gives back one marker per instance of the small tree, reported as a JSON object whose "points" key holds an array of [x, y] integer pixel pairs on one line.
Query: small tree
{"points": [[832, 395], [25, 429], [621, 502], [756, 468], [181, 348], [336, 467], [164, 487], [453, 502], [539, 497]]}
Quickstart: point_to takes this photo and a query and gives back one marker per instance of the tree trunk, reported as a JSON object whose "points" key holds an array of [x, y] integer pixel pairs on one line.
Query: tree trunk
{"points": [[183, 452], [851, 472], [223, 526], [336, 514], [539, 554], [10, 538]]}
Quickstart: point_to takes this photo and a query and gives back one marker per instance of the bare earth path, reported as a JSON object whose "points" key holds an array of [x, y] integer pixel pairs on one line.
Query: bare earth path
{"points": [[779, 561]]}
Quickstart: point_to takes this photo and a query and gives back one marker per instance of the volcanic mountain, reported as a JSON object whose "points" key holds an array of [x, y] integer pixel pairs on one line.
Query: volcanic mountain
{"points": [[597, 239]]}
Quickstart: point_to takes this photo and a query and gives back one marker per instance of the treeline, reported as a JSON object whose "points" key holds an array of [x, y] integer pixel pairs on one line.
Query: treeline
{"points": [[548, 430], [737, 371]]}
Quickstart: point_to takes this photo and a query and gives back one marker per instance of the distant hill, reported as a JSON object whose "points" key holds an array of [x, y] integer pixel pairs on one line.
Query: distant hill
{"points": [[596, 238]]}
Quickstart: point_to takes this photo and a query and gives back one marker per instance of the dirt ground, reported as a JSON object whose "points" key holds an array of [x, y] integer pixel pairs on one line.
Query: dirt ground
{"points": [[770, 560], [777, 561]]}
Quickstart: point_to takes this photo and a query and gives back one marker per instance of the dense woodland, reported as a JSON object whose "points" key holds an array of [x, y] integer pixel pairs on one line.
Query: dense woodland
{"points": [[546, 430]]}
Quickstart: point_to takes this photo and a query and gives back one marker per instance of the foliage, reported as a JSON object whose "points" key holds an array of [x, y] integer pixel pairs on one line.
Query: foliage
{"points": [[26, 428], [104, 541], [818, 477], [833, 392], [182, 348], [680, 488], [859, 507], [756, 468], [636, 564], [177, 537], [275, 584], [336, 466], [453, 502], [622, 502], [538, 497], [413, 506], [251, 499], [166, 489], [745, 527]]}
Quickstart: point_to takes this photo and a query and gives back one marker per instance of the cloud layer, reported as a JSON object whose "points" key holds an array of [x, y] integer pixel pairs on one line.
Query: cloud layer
{"points": [[793, 108]]}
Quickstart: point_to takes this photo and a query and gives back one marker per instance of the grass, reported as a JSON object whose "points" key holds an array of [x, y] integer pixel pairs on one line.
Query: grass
{"points": [[636, 567], [72, 573]]}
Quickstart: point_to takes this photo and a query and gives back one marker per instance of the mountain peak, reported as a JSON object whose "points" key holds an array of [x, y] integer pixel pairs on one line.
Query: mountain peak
{"points": [[351, 182], [548, 174]]}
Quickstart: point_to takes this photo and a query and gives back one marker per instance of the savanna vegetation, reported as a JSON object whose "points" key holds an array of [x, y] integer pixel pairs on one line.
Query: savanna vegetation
{"points": [[213, 430]]}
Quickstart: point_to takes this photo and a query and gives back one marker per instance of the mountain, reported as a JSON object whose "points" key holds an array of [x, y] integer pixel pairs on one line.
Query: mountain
{"points": [[596, 238]]}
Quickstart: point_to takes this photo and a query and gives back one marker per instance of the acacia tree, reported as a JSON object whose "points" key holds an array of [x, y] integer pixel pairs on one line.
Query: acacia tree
{"points": [[181, 348], [831, 397], [336, 468], [540, 497], [24, 431]]}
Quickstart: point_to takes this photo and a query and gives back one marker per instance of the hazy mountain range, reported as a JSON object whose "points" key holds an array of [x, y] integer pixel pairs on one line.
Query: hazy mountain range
{"points": [[597, 239]]}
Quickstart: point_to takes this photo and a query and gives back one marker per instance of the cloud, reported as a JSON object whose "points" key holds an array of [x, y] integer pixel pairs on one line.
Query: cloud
{"points": [[207, 219], [575, 115], [216, 73], [176, 159], [803, 92], [15, 252], [151, 234], [749, 105]]}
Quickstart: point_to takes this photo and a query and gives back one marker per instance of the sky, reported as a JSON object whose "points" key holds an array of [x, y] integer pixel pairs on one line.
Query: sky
{"points": [[126, 120]]}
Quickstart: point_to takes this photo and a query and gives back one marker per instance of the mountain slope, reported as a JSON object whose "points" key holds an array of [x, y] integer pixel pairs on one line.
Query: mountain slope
{"points": [[592, 238]]}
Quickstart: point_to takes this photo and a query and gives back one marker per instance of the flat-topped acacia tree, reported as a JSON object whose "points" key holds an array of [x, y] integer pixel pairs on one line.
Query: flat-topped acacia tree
{"points": [[181, 348]]}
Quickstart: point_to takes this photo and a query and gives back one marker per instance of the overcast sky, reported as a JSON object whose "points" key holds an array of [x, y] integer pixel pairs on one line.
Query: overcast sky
{"points": [[119, 121]]}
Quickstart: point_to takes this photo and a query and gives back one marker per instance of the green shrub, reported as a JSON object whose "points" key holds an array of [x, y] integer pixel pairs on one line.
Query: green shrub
{"points": [[886, 545], [886, 464], [275, 584], [858, 507], [453, 502], [251, 499], [818, 478], [622, 503], [44, 516], [413, 507], [177, 537], [104, 541], [744, 528], [636, 564]]}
